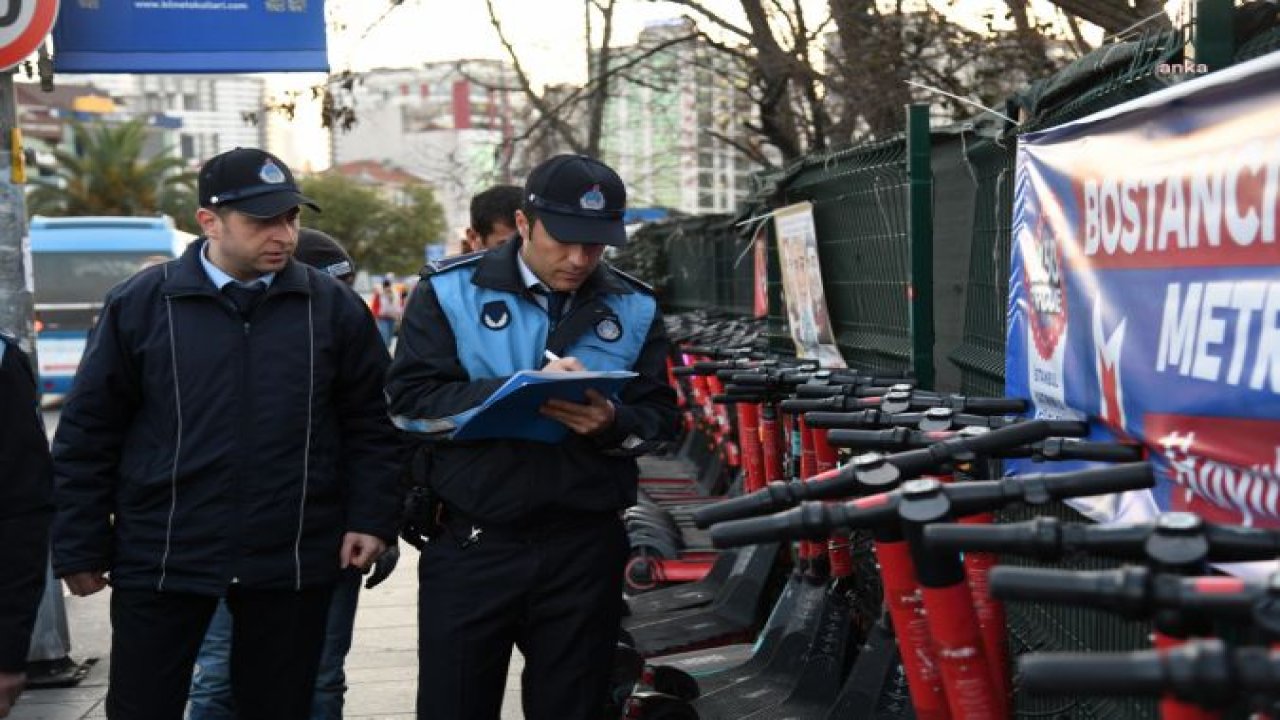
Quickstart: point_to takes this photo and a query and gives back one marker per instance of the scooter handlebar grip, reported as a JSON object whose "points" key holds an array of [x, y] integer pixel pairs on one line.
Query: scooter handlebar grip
{"points": [[799, 405], [1056, 586], [1008, 436], [978, 538], [1096, 451], [869, 439], [819, 391], [750, 531], [1067, 428], [1100, 481], [1092, 673], [756, 503], [995, 405], [836, 420]]}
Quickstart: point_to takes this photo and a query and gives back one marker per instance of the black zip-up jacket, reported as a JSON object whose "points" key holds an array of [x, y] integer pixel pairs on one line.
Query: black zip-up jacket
{"points": [[513, 481], [26, 488], [198, 448]]}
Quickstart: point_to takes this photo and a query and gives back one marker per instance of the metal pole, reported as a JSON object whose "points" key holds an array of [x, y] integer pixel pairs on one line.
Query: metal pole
{"points": [[1215, 41], [16, 305], [920, 233]]}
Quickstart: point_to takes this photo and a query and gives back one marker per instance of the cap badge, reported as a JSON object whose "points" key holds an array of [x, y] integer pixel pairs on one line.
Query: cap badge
{"points": [[592, 199], [271, 173]]}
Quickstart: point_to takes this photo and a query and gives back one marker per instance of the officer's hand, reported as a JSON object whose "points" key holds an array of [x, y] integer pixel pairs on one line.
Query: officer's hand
{"points": [[86, 583], [595, 416], [382, 567], [360, 550], [564, 364], [11, 685]]}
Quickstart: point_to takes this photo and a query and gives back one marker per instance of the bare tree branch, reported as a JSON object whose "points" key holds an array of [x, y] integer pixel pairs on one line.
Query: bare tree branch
{"points": [[713, 18], [557, 123], [1116, 15]]}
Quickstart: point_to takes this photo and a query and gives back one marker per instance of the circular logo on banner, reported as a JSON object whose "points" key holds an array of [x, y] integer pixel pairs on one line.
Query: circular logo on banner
{"points": [[1042, 277], [23, 26]]}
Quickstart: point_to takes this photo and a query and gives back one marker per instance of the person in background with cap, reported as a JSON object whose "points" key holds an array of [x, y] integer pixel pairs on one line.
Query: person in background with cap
{"points": [[226, 436], [493, 217], [531, 549], [26, 504], [211, 684]]}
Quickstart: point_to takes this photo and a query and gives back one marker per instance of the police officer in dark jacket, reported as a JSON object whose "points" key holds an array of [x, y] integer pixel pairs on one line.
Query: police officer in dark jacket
{"points": [[531, 549], [226, 435], [25, 508]]}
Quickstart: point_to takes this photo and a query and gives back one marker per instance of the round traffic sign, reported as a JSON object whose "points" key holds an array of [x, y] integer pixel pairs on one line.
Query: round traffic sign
{"points": [[23, 26]]}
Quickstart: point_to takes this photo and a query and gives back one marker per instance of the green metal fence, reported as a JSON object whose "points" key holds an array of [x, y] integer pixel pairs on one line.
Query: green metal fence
{"points": [[860, 214], [861, 209], [980, 356]]}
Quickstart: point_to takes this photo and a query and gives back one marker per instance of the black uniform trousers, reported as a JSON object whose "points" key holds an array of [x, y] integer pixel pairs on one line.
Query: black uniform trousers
{"points": [[551, 591], [276, 640]]}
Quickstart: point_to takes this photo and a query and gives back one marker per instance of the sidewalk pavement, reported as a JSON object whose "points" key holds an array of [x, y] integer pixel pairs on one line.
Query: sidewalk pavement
{"points": [[381, 668]]}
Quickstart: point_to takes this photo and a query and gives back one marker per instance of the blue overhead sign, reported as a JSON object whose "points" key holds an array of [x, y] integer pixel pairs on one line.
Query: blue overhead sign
{"points": [[190, 36]]}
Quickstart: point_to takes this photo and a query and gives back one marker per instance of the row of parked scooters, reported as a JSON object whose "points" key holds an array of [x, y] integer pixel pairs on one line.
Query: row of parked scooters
{"points": [[824, 545]]}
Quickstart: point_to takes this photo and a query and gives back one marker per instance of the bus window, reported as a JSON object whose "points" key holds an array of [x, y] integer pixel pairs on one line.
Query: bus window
{"points": [[75, 262]]}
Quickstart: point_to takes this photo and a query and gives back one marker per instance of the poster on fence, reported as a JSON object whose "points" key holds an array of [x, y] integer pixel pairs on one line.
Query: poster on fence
{"points": [[1144, 288], [760, 271], [802, 285]]}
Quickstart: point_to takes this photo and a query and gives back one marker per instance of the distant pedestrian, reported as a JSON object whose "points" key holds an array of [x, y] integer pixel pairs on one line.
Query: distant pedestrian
{"points": [[26, 506], [211, 685], [493, 217], [225, 436], [386, 307]]}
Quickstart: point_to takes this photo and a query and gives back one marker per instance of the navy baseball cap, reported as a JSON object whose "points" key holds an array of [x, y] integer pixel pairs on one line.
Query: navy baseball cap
{"points": [[250, 181], [579, 200], [320, 251]]}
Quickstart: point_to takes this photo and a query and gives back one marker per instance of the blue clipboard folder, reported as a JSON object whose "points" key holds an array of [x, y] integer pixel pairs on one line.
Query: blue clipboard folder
{"points": [[512, 410]]}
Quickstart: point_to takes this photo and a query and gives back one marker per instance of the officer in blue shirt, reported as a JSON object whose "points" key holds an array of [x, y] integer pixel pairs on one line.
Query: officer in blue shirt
{"points": [[530, 549]]}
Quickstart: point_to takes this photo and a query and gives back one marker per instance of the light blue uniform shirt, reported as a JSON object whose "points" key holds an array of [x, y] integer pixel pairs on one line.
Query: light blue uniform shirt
{"points": [[220, 278]]}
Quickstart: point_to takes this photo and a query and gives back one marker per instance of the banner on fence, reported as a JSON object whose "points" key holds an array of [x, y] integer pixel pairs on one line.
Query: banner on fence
{"points": [[802, 285], [1145, 287], [190, 36]]}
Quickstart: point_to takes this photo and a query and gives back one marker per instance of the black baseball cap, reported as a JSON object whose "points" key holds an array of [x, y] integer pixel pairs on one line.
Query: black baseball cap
{"points": [[250, 181], [320, 251], [579, 200]]}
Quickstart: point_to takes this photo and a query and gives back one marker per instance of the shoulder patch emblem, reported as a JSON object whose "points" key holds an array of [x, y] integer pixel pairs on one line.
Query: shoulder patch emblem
{"points": [[608, 328], [495, 315], [633, 280], [437, 266]]}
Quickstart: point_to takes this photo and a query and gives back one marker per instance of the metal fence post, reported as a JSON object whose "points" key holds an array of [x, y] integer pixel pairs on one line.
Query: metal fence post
{"points": [[1214, 33], [920, 232]]}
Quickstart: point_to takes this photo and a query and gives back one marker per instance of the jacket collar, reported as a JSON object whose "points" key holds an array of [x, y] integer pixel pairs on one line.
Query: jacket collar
{"points": [[186, 276], [498, 269]]}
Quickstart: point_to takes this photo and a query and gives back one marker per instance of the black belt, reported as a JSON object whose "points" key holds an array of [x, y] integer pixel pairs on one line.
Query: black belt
{"points": [[546, 525]]}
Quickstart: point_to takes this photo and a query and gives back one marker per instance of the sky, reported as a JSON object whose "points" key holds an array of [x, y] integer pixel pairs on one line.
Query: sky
{"points": [[367, 34]]}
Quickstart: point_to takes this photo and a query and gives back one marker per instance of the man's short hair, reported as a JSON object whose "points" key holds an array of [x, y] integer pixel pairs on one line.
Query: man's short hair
{"points": [[498, 204]]}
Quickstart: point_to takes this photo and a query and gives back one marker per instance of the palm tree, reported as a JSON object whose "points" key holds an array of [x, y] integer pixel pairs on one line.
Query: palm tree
{"points": [[109, 175]]}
